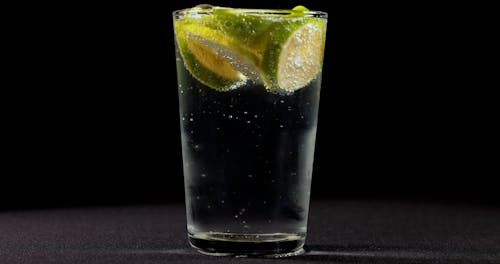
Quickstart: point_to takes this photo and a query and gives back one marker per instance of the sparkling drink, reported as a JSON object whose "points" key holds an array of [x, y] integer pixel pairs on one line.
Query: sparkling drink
{"points": [[249, 85]]}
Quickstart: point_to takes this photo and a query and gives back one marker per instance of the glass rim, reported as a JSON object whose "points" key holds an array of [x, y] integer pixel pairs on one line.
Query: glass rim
{"points": [[276, 12]]}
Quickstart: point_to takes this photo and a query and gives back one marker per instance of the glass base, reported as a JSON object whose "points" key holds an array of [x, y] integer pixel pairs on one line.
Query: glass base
{"points": [[248, 245]]}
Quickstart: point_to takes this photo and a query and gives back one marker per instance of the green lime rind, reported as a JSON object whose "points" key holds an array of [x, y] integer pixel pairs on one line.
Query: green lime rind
{"points": [[202, 20], [243, 26], [281, 32]]}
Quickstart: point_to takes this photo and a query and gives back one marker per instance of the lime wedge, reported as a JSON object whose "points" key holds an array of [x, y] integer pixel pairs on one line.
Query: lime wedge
{"points": [[213, 58], [294, 53]]}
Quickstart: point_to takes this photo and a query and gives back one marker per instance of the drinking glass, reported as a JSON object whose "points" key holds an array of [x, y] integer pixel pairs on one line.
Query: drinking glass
{"points": [[249, 89]]}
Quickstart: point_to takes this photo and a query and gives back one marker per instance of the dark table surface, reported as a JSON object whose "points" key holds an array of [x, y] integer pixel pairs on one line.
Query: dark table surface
{"points": [[339, 232]]}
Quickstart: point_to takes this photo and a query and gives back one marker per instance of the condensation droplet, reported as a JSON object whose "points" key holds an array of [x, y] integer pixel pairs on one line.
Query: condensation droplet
{"points": [[245, 112], [191, 119], [230, 116], [203, 175]]}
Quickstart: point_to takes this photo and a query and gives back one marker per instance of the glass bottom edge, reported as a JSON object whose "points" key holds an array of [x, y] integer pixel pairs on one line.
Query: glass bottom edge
{"points": [[276, 245]]}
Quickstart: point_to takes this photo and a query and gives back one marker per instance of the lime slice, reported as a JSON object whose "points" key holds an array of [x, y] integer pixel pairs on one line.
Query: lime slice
{"points": [[213, 58], [294, 53]]}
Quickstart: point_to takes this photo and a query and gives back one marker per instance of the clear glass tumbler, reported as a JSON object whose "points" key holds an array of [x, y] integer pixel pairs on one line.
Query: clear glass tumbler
{"points": [[249, 88]]}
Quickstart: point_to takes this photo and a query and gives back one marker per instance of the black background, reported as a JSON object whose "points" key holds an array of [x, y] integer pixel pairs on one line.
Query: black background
{"points": [[94, 118]]}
